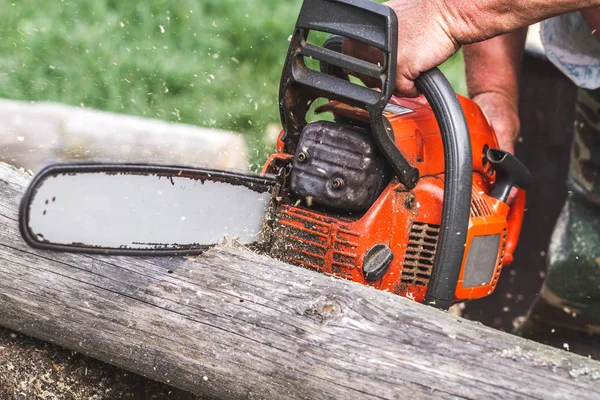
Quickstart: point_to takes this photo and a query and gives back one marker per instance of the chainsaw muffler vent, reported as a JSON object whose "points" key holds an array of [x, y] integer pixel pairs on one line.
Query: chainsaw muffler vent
{"points": [[420, 254], [480, 207], [501, 259]]}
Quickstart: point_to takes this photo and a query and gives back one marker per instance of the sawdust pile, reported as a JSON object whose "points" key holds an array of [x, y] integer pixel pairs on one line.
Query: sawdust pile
{"points": [[32, 369]]}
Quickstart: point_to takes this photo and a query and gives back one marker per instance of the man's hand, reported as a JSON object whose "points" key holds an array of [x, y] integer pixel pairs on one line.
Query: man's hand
{"points": [[424, 42], [492, 71], [504, 118]]}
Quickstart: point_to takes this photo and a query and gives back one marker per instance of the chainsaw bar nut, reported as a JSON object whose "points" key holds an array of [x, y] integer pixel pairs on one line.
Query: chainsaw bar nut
{"points": [[302, 157], [338, 183]]}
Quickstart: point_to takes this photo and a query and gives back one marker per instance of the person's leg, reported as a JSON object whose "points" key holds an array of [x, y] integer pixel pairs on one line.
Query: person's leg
{"points": [[566, 312]]}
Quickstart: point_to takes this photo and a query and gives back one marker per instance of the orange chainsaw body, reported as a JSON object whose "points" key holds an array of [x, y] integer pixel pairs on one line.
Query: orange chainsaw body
{"points": [[407, 221]]}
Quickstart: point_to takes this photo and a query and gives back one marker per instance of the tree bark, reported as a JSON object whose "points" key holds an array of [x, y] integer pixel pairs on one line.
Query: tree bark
{"points": [[232, 324]]}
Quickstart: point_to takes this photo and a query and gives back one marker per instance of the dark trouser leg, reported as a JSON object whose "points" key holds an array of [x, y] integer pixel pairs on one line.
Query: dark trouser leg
{"points": [[567, 310]]}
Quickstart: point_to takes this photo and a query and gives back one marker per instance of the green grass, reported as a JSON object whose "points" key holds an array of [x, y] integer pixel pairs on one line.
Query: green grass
{"points": [[212, 63]]}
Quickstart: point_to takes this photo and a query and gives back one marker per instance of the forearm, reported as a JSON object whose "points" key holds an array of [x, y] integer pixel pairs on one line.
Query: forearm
{"points": [[492, 69], [430, 31], [471, 21], [493, 66]]}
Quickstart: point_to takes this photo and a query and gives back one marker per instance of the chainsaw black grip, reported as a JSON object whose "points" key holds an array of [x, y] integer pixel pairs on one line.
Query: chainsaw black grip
{"points": [[457, 187]]}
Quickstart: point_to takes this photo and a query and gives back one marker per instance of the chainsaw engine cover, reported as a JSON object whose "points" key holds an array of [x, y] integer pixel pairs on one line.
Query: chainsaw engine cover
{"points": [[338, 166]]}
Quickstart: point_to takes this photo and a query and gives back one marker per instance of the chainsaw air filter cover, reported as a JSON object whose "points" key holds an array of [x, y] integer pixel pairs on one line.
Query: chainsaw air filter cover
{"points": [[338, 166]]}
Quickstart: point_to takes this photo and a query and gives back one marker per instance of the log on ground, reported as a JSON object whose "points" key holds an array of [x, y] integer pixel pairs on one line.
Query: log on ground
{"points": [[32, 135], [233, 324]]}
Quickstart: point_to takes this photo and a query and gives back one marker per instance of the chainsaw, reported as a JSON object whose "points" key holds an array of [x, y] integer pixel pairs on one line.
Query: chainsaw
{"points": [[406, 195]]}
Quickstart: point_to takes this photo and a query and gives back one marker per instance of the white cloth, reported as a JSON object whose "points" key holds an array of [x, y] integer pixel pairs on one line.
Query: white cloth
{"points": [[571, 46]]}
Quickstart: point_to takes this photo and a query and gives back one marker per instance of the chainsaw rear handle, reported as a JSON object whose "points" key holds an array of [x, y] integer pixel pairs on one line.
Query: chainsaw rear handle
{"points": [[377, 25], [510, 172]]}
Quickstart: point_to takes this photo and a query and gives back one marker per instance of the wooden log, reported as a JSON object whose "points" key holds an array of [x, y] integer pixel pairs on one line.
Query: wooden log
{"points": [[33, 134], [232, 324]]}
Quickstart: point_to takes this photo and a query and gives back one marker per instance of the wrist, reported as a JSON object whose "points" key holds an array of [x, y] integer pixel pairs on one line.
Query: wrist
{"points": [[493, 67], [507, 102], [503, 114], [505, 92], [475, 21]]}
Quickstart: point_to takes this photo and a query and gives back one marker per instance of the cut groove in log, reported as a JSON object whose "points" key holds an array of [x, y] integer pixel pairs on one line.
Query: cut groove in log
{"points": [[234, 324]]}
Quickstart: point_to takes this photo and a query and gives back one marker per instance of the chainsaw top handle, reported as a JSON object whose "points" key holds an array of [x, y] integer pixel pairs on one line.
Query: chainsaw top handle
{"points": [[377, 25], [363, 20]]}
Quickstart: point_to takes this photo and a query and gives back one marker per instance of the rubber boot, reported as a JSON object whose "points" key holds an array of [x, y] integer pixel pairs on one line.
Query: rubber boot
{"points": [[566, 312]]}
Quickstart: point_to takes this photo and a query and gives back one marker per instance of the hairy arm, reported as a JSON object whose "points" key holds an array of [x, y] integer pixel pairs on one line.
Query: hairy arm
{"points": [[430, 31], [473, 21], [492, 70]]}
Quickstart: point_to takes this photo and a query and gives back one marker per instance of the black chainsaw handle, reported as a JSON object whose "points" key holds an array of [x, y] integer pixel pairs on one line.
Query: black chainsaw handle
{"points": [[368, 22], [458, 177]]}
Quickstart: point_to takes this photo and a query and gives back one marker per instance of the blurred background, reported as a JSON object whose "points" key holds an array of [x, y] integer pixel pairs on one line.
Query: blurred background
{"points": [[210, 63]]}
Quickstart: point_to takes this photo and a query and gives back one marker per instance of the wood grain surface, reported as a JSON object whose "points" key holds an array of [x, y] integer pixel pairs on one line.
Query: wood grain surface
{"points": [[231, 324]]}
